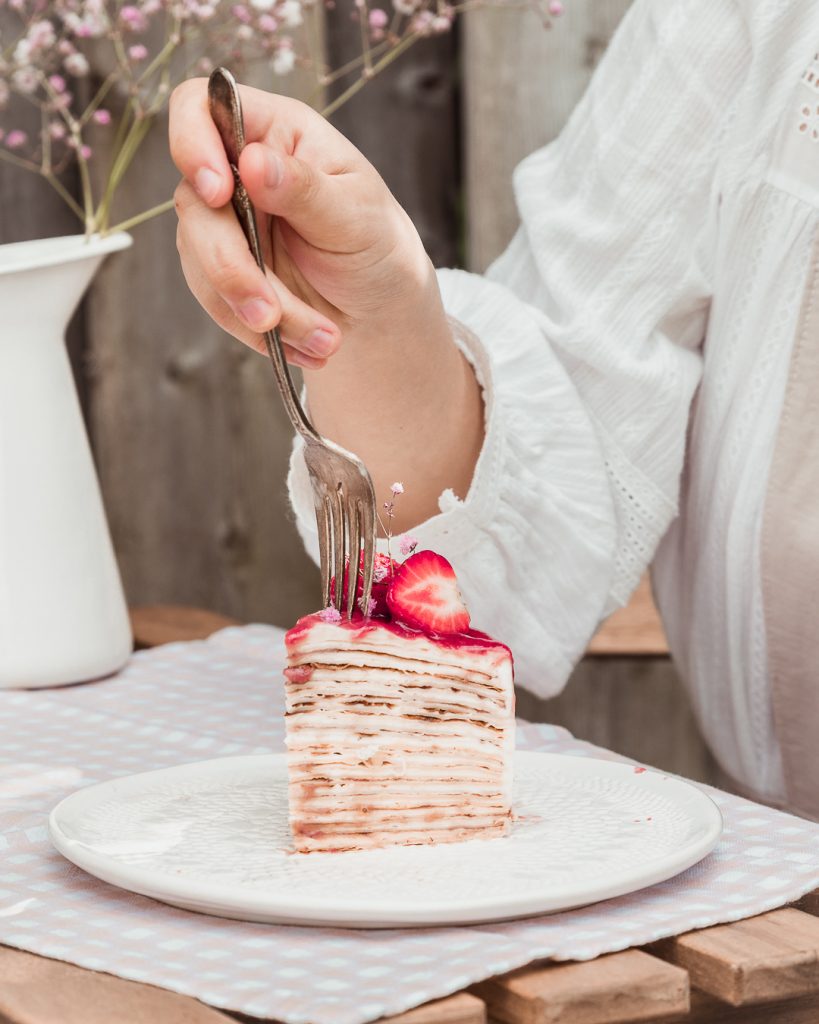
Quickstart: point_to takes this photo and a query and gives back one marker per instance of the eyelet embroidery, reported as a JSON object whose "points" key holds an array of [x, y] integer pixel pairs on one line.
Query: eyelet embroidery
{"points": [[809, 122], [795, 159]]}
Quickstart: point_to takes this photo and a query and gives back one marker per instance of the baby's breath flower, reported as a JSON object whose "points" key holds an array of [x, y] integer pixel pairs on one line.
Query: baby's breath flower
{"points": [[137, 52], [407, 544], [290, 13], [284, 60], [397, 488], [16, 138], [76, 64], [330, 614], [25, 80]]}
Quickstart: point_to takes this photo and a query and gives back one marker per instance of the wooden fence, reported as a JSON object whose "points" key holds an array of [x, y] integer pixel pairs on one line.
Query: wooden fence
{"points": [[190, 442]]}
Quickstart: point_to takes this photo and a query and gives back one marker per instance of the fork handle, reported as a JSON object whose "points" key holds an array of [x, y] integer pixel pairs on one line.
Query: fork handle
{"points": [[226, 110]]}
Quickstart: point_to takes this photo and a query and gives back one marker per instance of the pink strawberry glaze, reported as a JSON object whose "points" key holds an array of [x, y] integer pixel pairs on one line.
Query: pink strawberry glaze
{"points": [[358, 624]]}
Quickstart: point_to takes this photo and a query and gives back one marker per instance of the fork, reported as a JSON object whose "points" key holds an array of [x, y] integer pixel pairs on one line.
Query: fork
{"points": [[343, 494]]}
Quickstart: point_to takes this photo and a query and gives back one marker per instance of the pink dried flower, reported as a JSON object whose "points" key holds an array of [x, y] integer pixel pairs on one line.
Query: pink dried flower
{"points": [[138, 51], [16, 138], [397, 488], [267, 23], [57, 83], [56, 130], [133, 18], [40, 35], [378, 18], [102, 116], [241, 13], [372, 604], [407, 544], [380, 573], [556, 8], [85, 152], [330, 614]]}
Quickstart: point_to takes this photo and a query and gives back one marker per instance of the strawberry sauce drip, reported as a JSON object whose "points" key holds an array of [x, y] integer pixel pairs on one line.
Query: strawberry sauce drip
{"points": [[358, 624]]}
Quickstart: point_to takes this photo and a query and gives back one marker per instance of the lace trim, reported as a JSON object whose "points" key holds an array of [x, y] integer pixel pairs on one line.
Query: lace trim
{"points": [[643, 514]]}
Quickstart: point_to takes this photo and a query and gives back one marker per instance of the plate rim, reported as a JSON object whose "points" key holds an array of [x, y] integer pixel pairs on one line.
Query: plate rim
{"points": [[252, 905]]}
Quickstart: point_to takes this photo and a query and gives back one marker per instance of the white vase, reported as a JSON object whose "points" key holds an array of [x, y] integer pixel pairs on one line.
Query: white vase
{"points": [[63, 617]]}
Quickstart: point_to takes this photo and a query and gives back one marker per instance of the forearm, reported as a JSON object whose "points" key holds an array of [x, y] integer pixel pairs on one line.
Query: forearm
{"points": [[403, 398]]}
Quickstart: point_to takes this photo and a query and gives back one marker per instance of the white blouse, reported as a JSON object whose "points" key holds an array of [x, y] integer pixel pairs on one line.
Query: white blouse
{"points": [[633, 345]]}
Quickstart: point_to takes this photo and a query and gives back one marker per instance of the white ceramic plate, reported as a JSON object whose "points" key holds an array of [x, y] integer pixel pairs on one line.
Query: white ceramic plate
{"points": [[213, 837]]}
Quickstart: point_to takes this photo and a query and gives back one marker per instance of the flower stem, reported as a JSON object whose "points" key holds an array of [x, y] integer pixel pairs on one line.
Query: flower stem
{"points": [[131, 222], [358, 85], [64, 194], [99, 96]]}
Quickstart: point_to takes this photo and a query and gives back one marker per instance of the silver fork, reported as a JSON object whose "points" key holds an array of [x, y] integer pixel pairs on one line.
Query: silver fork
{"points": [[343, 494]]}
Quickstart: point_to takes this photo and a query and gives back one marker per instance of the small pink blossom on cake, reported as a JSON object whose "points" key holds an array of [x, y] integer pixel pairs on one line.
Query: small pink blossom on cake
{"points": [[397, 488], [330, 614], [407, 544]]}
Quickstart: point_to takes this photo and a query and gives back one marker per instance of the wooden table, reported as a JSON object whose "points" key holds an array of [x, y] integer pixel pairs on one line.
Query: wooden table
{"points": [[763, 969]]}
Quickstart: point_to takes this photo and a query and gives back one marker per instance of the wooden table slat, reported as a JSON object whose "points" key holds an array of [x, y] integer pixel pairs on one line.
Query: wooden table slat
{"points": [[461, 1008], [706, 1009], [153, 625], [771, 957], [620, 987], [35, 990]]}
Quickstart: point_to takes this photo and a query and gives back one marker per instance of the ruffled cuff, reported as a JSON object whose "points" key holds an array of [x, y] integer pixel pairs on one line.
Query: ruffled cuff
{"points": [[533, 541]]}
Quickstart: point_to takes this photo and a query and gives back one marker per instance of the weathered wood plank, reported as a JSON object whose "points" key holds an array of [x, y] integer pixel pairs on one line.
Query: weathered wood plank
{"points": [[636, 706], [462, 1008], [30, 208], [809, 903], [628, 986], [520, 84], [191, 439], [633, 630], [34, 990], [771, 957], [406, 123], [166, 624]]}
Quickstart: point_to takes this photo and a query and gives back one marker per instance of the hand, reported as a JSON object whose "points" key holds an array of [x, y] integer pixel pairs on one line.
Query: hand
{"points": [[342, 256]]}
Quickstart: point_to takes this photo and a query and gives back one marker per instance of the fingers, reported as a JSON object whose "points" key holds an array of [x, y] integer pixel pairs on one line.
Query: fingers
{"points": [[321, 207], [225, 279], [196, 147]]}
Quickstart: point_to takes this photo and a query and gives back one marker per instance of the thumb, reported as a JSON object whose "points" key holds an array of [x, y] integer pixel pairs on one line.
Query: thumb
{"points": [[312, 202]]}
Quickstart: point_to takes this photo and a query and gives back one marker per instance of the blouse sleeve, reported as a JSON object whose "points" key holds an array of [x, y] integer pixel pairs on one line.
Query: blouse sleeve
{"points": [[585, 336]]}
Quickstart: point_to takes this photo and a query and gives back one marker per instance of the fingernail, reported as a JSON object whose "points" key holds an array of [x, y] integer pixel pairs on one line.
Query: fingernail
{"points": [[306, 362], [321, 342], [207, 183], [256, 313], [273, 170]]}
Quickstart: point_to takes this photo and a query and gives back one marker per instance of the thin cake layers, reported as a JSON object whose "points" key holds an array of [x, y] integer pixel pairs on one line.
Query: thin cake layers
{"points": [[396, 736]]}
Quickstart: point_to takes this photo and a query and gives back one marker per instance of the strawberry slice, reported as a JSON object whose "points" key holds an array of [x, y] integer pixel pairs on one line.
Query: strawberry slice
{"points": [[424, 595], [383, 571]]}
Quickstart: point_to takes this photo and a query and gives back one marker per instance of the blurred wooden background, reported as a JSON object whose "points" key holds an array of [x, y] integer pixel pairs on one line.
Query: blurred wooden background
{"points": [[190, 441]]}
